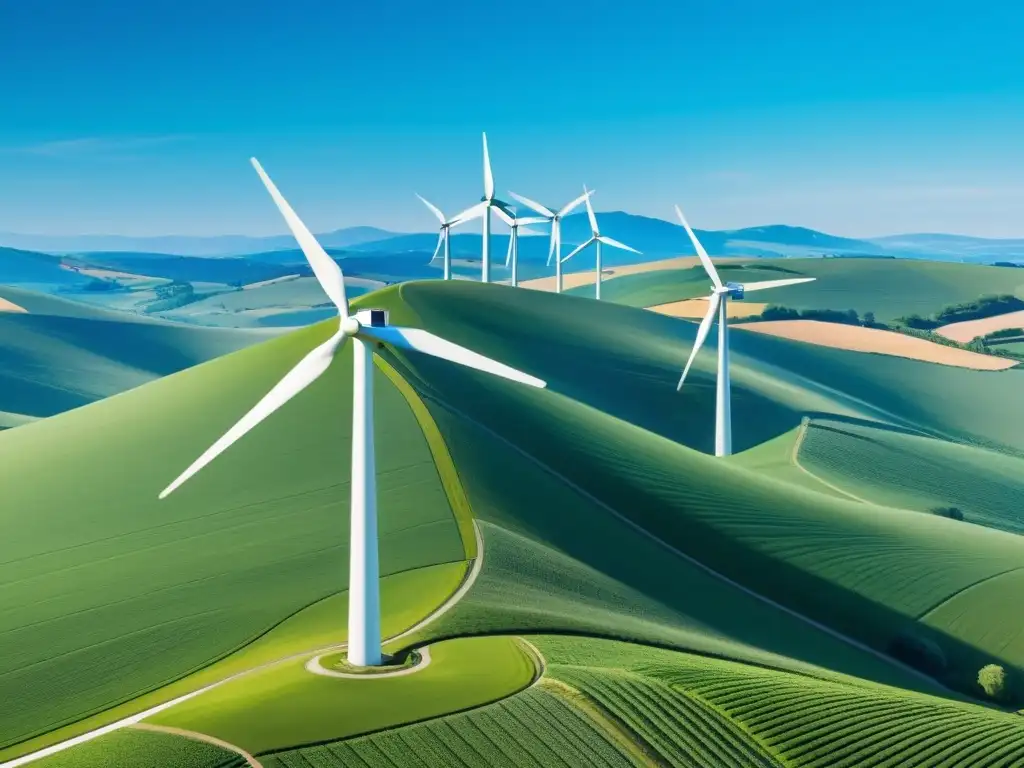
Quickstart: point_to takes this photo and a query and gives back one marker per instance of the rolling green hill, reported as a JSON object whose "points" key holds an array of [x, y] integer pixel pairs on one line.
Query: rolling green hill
{"points": [[61, 355], [598, 518], [890, 288]]}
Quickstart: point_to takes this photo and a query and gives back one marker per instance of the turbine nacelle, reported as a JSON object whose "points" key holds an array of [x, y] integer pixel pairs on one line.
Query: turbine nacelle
{"points": [[734, 290]]}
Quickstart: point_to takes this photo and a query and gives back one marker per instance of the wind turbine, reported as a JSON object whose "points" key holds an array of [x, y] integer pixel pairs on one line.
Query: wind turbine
{"points": [[367, 329], [483, 208], [554, 215], [597, 239], [514, 222], [442, 238], [718, 302]]}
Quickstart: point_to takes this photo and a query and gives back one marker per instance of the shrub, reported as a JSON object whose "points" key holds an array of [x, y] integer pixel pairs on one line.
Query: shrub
{"points": [[992, 679], [953, 513], [1004, 333], [918, 652]]}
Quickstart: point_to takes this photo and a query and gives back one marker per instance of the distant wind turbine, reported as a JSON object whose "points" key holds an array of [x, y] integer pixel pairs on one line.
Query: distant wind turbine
{"points": [[367, 329], [514, 222], [483, 208], [443, 236], [554, 215], [596, 238], [718, 302]]}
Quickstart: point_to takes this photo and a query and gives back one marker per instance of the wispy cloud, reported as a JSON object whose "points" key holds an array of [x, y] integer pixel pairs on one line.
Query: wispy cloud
{"points": [[88, 146]]}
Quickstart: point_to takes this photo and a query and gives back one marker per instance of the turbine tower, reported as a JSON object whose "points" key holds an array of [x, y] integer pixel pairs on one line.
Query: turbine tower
{"points": [[443, 236], [718, 303], [514, 222], [554, 215], [596, 238], [367, 329]]}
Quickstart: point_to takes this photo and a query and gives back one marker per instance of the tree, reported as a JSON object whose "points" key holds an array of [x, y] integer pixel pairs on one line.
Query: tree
{"points": [[953, 513], [992, 679], [869, 319]]}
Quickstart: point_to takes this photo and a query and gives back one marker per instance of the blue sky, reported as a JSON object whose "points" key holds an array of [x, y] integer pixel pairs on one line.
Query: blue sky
{"points": [[863, 118]]}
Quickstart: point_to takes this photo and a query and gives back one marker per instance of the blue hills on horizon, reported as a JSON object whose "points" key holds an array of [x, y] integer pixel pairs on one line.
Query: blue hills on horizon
{"points": [[361, 249]]}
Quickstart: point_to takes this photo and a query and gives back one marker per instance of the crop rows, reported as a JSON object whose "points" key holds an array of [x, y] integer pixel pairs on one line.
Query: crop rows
{"points": [[918, 472], [817, 723], [683, 729], [534, 729]]}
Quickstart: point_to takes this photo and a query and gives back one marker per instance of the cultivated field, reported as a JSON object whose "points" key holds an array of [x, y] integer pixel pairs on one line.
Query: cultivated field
{"points": [[971, 329], [875, 340], [697, 308]]}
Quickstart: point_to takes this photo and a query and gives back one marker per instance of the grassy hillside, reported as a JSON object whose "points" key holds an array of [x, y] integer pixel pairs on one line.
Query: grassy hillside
{"points": [[110, 593], [850, 554], [910, 471], [890, 288], [31, 268], [598, 518], [61, 355]]}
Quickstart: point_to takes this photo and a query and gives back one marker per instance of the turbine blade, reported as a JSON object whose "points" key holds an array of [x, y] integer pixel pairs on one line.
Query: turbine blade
{"points": [[308, 370], [701, 253], [702, 334], [326, 269], [508, 253], [432, 207], [551, 244], [571, 206], [503, 214], [590, 214], [473, 212], [425, 342], [542, 210], [615, 243], [528, 220], [761, 285], [579, 248], [437, 250], [488, 176]]}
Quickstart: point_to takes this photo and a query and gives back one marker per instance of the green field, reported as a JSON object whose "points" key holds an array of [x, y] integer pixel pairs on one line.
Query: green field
{"points": [[62, 355], [107, 600], [600, 516], [136, 748], [890, 288], [911, 471], [710, 712]]}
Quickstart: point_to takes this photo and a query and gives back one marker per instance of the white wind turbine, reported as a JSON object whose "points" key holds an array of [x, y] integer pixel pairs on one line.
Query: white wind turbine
{"points": [[483, 208], [514, 222], [596, 238], [718, 303], [367, 329], [554, 215], [444, 235]]}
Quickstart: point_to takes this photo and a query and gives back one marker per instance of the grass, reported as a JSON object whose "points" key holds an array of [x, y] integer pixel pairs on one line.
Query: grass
{"points": [[133, 748], [286, 706], [533, 729], [55, 362], [916, 472], [110, 593], [890, 288], [864, 571], [406, 598], [711, 712]]}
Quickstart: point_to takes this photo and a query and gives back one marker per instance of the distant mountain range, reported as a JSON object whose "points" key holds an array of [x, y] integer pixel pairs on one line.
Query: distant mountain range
{"points": [[182, 245], [656, 238]]}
